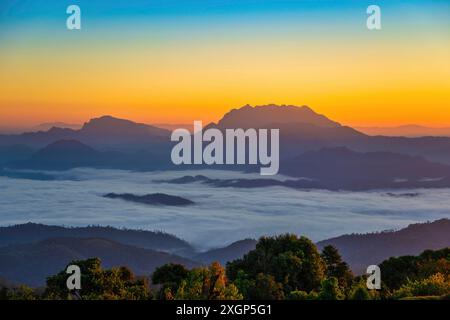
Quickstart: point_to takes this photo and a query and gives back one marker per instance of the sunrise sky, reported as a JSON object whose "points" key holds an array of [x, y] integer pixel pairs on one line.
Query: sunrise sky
{"points": [[177, 61]]}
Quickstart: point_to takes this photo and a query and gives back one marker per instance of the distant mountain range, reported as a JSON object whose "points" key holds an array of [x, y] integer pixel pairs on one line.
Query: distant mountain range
{"points": [[31, 252], [311, 146], [343, 169], [32, 232], [229, 253], [410, 130], [33, 263], [48, 125], [105, 133]]}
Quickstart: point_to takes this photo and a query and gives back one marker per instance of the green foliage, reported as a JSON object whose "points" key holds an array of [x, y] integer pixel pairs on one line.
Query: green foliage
{"points": [[207, 284], [435, 285], [264, 287], [99, 284], [282, 267], [302, 295], [336, 267], [330, 290], [293, 262], [360, 293], [169, 276], [400, 270], [20, 293]]}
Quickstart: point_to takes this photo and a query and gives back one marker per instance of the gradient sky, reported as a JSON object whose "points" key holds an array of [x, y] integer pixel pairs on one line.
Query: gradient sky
{"points": [[177, 61]]}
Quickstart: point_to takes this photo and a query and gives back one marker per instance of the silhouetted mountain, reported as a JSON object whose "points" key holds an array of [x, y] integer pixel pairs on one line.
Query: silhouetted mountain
{"points": [[152, 199], [105, 133], [301, 130], [32, 232], [32, 263], [68, 154], [110, 131], [342, 168], [63, 154], [48, 125], [362, 250], [410, 130], [262, 116], [38, 139], [234, 251], [16, 152]]}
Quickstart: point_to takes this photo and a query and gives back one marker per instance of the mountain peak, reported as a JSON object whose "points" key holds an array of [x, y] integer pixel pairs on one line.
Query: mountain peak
{"points": [[65, 146], [115, 126], [264, 115]]}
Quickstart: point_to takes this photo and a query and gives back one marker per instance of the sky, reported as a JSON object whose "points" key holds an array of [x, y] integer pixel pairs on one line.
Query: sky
{"points": [[174, 61]]}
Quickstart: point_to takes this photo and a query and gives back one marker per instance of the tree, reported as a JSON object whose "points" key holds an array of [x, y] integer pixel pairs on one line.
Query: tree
{"points": [[21, 292], [435, 285], [359, 292], [336, 267], [302, 295], [264, 287], [330, 290], [293, 262], [99, 284], [400, 270], [169, 276], [207, 284]]}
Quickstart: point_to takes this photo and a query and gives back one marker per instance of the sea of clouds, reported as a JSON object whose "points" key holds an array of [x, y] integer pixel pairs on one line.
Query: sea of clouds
{"points": [[220, 215]]}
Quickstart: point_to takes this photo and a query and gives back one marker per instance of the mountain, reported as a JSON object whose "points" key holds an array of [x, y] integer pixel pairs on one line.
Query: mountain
{"points": [[32, 232], [410, 130], [301, 130], [362, 250], [68, 154], [15, 152], [110, 131], [32, 263], [342, 168], [261, 116], [48, 125], [234, 251], [106, 133], [61, 155]]}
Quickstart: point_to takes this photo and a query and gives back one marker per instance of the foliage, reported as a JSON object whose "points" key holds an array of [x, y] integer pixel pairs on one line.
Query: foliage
{"points": [[302, 295], [336, 267], [169, 276], [22, 292], [207, 284], [398, 271], [99, 284], [282, 267], [293, 262], [330, 290], [435, 285]]}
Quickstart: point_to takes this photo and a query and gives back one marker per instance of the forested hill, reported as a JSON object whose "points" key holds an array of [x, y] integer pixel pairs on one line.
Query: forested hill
{"points": [[32, 232], [361, 250]]}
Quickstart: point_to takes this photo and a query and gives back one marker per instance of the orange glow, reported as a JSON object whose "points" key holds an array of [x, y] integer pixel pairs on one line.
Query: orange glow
{"points": [[364, 85]]}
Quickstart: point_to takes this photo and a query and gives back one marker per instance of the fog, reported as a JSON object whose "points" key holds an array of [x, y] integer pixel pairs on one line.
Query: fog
{"points": [[220, 215]]}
